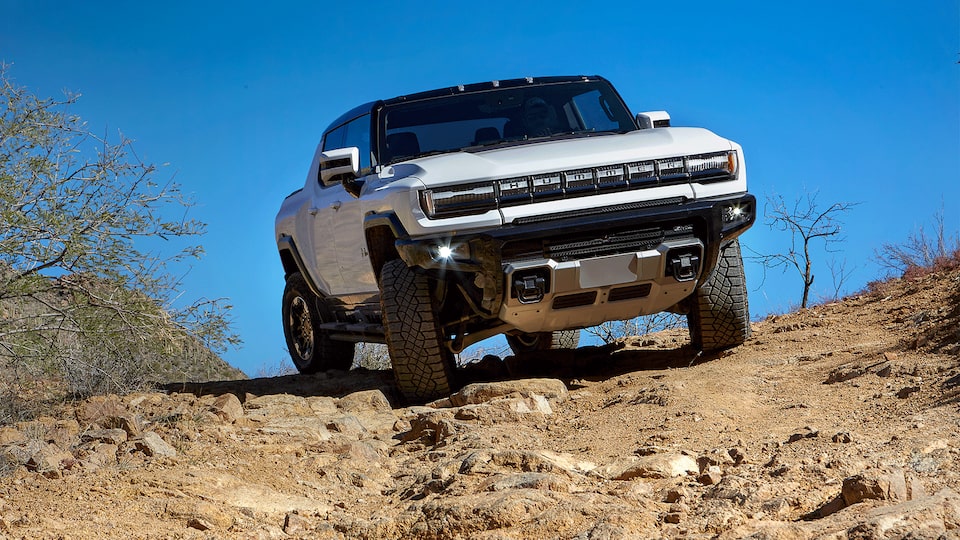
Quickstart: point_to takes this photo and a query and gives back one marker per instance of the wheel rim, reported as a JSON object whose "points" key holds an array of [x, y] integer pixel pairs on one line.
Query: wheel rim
{"points": [[301, 328]]}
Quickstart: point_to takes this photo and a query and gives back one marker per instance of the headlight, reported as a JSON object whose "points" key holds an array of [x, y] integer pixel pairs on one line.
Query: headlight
{"points": [[719, 166], [458, 200]]}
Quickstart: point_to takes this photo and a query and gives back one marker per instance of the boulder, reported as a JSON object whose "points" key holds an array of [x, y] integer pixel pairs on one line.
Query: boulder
{"points": [[665, 465], [368, 400], [485, 392], [228, 408], [875, 484]]}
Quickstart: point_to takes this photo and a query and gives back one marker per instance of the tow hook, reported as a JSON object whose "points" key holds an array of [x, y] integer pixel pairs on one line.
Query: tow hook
{"points": [[530, 289], [684, 267]]}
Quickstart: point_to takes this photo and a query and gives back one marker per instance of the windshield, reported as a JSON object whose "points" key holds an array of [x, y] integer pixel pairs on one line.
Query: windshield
{"points": [[450, 123]]}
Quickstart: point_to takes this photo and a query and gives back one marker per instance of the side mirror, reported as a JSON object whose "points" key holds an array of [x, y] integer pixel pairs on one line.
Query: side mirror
{"points": [[339, 164], [653, 119]]}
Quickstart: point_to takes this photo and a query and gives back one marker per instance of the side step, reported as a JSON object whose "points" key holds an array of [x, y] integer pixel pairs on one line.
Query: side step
{"points": [[371, 333]]}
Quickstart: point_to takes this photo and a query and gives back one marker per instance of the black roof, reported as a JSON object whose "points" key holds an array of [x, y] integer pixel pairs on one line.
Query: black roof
{"points": [[490, 85]]}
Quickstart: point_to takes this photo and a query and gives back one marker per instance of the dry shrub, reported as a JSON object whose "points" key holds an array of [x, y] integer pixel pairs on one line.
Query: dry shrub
{"points": [[923, 252]]}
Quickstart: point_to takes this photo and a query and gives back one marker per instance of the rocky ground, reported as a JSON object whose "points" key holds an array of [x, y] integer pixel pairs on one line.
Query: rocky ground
{"points": [[839, 421]]}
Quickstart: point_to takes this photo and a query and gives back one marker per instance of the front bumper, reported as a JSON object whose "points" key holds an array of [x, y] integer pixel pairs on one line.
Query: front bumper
{"points": [[586, 267]]}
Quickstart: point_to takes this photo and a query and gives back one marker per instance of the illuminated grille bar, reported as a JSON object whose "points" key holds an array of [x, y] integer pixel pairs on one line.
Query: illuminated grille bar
{"points": [[477, 198]]}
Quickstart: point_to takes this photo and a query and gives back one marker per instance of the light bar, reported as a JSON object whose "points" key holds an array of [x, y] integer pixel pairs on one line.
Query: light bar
{"points": [[515, 190], [477, 198]]}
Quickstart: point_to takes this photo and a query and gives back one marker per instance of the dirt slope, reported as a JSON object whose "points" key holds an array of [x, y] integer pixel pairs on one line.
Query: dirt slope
{"points": [[839, 422]]}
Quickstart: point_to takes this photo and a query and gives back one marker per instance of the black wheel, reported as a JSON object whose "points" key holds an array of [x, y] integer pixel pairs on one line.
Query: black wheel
{"points": [[310, 348], [422, 364], [544, 341], [719, 317]]}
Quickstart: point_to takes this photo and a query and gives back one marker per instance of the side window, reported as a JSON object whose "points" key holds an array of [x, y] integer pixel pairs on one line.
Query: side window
{"points": [[354, 133], [334, 138]]}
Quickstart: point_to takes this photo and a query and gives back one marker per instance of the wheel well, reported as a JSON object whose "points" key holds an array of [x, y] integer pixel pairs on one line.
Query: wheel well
{"points": [[382, 246], [289, 262]]}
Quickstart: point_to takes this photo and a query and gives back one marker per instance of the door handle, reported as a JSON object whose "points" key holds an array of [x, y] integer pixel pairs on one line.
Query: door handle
{"points": [[335, 205], [313, 210]]}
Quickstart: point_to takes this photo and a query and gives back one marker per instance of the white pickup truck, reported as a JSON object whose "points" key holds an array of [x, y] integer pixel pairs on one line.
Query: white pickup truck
{"points": [[529, 207]]}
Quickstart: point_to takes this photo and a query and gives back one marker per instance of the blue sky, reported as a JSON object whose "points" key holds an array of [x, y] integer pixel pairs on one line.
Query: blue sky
{"points": [[858, 101]]}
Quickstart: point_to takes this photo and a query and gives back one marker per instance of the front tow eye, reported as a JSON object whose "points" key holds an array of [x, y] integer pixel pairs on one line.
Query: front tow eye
{"points": [[529, 289], [685, 266]]}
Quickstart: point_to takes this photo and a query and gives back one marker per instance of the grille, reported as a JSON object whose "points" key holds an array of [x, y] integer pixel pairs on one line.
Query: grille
{"points": [[672, 201], [608, 244], [627, 293], [575, 300], [573, 246]]}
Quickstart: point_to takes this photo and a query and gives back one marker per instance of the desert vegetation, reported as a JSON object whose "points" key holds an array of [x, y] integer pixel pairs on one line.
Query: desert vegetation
{"points": [[92, 242]]}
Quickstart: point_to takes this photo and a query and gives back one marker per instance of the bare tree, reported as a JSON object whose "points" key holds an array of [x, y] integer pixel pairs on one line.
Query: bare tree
{"points": [[88, 243], [806, 223], [839, 274]]}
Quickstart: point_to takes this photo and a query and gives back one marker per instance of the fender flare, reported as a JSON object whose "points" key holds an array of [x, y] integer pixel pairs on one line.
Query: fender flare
{"points": [[292, 262]]}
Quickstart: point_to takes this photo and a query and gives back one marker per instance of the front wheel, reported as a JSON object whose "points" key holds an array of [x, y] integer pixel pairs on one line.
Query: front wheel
{"points": [[544, 341], [422, 364], [719, 317], [311, 349]]}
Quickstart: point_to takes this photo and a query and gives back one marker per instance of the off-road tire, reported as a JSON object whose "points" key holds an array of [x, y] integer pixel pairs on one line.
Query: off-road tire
{"points": [[311, 349], [422, 365], [544, 341], [718, 316]]}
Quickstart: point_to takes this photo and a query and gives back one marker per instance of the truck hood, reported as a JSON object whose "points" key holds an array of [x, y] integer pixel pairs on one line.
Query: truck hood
{"points": [[555, 155]]}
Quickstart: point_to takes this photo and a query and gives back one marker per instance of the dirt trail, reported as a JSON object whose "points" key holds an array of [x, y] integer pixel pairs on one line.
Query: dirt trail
{"points": [[840, 421]]}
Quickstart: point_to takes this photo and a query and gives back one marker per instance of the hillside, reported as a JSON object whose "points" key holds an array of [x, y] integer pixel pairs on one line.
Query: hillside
{"points": [[839, 421], [110, 352]]}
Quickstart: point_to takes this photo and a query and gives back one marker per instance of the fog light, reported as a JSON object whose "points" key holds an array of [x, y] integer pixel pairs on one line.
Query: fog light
{"points": [[451, 252], [735, 214]]}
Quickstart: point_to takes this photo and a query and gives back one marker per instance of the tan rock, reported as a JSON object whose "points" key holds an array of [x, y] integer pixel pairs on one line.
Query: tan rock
{"points": [[10, 435], [711, 476], [95, 410], [63, 433], [295, 524], [935, 516], [227, 407], [484, 392], [368, 400], [99, 455], [277, 405], [884, 485], [542, 481], [666, 465], [203, 516], [50, 461], [109, 436], [153, 445]]}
